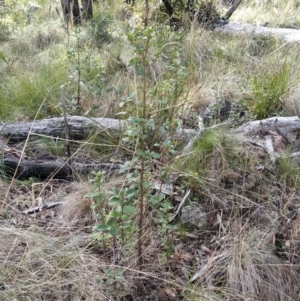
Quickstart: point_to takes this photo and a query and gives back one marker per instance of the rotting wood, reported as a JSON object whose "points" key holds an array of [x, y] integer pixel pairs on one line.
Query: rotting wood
{"points": [[287, 126], [263, 133], [79, 128], [52, 167], [275, 135]]}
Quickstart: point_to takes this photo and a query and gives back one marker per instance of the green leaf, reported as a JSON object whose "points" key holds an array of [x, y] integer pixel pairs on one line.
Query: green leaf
{"points": [[102, 227], [130, 210], [126, 166], [113, 231], [155, 155], [139, 70], [116, 213], [133, 132], [114, 200], [2, 56], [135, 61], [92, 195], [140, 153], [150, 123], [126, 140], [146, 184], [130, 192]]}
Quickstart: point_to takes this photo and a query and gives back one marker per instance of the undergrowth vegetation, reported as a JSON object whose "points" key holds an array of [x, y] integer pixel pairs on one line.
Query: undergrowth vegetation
{"points": [[120, 236]]}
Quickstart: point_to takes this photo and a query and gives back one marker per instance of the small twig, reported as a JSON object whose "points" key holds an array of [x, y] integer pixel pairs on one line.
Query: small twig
{"points": [[270, 148], [63, 103], [180, 205], [40, 208]]}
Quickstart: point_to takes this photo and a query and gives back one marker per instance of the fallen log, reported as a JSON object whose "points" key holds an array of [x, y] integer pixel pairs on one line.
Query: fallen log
{"points": [[79, 127], [237, 28], [46, 167], [275, 135], [288, 127], [15, 162]]}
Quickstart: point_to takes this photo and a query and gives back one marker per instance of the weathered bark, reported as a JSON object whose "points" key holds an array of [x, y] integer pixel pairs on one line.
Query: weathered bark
{"points": [[42, 208], [46, 167], [275, 135], [87, 9], [16, 163], [289, 127], [79, 128]]}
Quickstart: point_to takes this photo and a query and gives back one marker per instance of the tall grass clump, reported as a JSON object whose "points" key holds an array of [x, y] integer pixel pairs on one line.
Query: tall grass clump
{"points": [[22, 95], [268, 90], [211, 151], [245, 268]]}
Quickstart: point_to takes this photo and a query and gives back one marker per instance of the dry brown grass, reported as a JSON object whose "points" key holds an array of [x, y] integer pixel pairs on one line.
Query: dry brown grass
{"points": [[274, 13], [76, 209], [249, 267], [46, 268]]}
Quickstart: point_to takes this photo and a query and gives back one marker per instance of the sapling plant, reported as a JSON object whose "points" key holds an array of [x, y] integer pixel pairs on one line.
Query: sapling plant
{"points": [[126, 216]]}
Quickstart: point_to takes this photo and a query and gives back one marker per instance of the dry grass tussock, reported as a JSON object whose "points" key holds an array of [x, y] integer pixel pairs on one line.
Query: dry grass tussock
{"points": [[249, 267], [41, 267]]}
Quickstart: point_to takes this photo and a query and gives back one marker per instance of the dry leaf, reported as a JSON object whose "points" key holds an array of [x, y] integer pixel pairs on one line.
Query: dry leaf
{"points": [[165, 292], [298, 215], [186, 257], [206, 250], [191, 235], [176, 255], [177, 198]]}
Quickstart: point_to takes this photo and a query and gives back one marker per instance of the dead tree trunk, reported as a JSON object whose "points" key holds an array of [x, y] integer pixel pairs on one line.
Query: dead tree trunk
{"points": [[232, 9], [168, 7], [71, 9], [87, 9], [130, 2]]}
